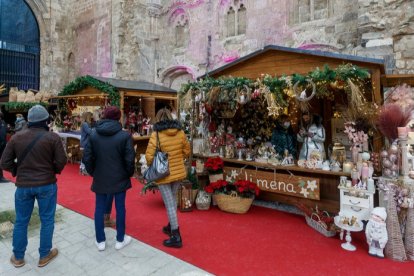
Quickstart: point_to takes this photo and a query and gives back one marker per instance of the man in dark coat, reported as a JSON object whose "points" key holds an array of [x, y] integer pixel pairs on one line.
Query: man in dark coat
{"points": [[35, 180], [109, 157], [3, 142], [283, 137]]}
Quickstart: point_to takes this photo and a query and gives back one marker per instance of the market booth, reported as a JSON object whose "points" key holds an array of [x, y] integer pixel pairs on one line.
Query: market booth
{"points": [[138, 100], [241, 101]]}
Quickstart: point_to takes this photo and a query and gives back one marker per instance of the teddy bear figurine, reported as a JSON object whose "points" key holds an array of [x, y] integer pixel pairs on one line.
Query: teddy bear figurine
{"points": [[376, 232]]}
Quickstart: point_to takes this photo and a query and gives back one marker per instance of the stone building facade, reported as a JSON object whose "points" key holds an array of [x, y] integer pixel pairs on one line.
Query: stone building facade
{"points": [[171, 42]]}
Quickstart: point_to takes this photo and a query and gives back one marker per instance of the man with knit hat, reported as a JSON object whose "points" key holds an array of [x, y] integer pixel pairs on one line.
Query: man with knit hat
{"points": [[40, 156], [109, 157]]}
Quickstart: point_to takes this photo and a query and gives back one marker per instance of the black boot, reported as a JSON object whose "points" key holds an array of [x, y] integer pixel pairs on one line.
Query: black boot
{"points": [[174, 240], [167, 229]]}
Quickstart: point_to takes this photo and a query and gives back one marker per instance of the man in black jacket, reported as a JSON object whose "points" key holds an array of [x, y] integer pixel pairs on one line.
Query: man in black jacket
{"points": [[40, 156], [109, 158]]}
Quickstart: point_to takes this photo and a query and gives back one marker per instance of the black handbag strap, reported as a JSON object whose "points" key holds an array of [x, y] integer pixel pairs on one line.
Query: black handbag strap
{"points": [[28, 149], [158, 143]]}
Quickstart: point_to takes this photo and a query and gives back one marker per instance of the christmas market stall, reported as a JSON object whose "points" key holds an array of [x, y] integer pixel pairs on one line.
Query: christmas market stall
{"points": [[138, 100], [292, 121]]}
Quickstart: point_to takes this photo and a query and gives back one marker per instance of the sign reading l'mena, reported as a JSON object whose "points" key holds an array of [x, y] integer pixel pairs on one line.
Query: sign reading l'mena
{"points": [[299, 186]]}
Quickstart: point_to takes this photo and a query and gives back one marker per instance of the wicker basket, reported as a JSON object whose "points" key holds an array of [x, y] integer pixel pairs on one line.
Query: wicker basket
{"points": [[233, 203], [315, 222]]}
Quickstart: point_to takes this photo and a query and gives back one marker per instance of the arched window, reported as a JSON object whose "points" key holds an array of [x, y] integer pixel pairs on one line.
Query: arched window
{"points": [[179, 20], [231, 22], [309, 10], [236, 19], [19, 45], [242, 19]]}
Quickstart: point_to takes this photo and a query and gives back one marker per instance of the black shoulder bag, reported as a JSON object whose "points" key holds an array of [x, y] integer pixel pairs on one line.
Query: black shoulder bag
{"points": [[25, 152], [160, 166]]}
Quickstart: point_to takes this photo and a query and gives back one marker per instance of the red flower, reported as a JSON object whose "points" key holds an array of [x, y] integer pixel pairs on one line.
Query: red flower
{"points": [[214, 164]]}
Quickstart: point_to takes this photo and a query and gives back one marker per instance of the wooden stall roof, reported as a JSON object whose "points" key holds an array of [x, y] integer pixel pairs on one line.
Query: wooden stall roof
{"points": [[279, 60], [136, 85], [394, 80]]}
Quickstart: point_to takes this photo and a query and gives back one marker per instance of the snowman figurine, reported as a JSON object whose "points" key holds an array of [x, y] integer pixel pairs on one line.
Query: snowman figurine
{"points": [[376, 232]]}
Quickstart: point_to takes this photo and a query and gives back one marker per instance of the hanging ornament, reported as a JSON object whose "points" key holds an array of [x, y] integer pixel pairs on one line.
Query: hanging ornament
{"points": [[243, 95], [302, 97], [272, 107]]}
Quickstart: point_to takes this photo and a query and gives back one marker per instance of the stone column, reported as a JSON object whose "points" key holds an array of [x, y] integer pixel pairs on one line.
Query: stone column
{"points": [[154, 10]]}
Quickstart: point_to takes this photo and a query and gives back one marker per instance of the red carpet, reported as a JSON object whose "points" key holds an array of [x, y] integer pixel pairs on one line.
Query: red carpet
{"points": [[261, 242]]}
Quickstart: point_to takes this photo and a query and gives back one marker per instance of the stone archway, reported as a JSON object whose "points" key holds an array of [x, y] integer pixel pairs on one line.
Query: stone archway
{"points": [[174, 76], [41, 12]]}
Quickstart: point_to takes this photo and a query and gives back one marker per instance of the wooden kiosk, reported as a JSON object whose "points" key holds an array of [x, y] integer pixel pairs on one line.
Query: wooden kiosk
{"points": [[280, 61], [94, 91]]}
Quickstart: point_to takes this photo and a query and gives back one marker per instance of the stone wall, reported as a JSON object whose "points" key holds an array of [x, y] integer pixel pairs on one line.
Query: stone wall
{"points": [[136, 39]]}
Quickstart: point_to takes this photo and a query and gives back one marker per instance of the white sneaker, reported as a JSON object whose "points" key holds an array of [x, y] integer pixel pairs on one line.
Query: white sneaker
{"points": [[120, 245], [100, 245]]}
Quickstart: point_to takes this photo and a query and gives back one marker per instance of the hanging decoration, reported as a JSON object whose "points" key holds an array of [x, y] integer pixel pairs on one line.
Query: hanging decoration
{"points": [[302, 98]]}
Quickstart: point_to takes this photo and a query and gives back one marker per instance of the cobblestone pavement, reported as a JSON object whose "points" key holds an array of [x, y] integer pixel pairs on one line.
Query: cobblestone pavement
{"points": [[74, 236]]}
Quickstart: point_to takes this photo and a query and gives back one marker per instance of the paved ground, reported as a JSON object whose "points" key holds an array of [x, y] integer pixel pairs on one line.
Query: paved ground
{"points": [[74, 236]]}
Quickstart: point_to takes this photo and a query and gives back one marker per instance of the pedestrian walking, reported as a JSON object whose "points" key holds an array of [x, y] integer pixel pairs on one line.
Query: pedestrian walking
{"points": [[173, 141], [40, 156]]}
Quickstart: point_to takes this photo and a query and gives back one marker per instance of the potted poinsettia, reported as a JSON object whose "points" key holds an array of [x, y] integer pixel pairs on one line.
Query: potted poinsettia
{"points": [[233, 196], [214, 166]]}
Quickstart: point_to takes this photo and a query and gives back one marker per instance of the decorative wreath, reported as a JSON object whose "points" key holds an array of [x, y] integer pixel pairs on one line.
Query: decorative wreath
{"points": [[302, 96]]}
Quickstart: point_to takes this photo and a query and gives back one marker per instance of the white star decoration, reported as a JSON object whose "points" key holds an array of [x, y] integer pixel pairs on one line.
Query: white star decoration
{"points": [[200, 129], [183, 114], [234, 173], [305, 192], [312, 185]]}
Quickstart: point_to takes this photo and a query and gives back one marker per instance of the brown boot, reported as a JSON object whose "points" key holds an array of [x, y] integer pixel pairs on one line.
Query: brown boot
{"points": [[17, 263], [108, 222], [45, 260]]}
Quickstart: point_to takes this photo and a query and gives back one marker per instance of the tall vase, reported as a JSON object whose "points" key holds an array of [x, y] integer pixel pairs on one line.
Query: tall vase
{"points": [[355, 152]]}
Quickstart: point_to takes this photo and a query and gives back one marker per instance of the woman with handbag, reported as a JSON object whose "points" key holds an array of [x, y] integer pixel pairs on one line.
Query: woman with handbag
{"points": [[169, 138]]}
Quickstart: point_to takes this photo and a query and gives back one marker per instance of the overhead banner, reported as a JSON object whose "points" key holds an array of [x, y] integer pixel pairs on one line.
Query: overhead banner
{"points": [[298, 186]]}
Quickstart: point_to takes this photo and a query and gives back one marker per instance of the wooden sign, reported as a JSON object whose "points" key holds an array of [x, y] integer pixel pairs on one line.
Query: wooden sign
{"points": [[298, 186]]}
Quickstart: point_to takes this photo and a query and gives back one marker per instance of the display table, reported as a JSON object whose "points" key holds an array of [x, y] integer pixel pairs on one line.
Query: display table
{"points": [[327, 199], [347, 245]]}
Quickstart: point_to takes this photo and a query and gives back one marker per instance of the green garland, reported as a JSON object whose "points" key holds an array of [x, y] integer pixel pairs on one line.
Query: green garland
{"points": [[322, 78], [22, 106], [84, 81]]}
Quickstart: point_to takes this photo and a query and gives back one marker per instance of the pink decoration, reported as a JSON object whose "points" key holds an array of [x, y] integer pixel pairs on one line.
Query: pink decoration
{"points": [[402, 132]]}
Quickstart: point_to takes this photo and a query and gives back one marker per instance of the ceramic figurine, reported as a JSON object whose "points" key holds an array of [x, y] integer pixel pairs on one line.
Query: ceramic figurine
{"points": [[376, 232]]}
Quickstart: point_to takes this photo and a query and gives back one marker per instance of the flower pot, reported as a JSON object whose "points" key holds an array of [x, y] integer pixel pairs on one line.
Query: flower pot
{"points": [[233, 203], [203, 200]]}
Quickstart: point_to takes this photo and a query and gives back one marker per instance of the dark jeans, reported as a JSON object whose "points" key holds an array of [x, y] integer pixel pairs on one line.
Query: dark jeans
{"points": [[24, 199], [100, 209], [108, 203]]}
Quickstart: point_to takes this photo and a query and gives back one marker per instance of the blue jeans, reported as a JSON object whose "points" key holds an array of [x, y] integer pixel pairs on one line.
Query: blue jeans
{"points": [[108, 203], [24, 199], [101, 204]]}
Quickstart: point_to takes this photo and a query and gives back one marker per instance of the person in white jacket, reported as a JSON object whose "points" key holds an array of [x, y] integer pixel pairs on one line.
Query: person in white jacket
{"points": [[312, 136]]}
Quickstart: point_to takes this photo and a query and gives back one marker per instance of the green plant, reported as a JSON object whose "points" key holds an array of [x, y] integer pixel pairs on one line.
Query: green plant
{"points": [[22, 106], [84, 81], [151, 186]]}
